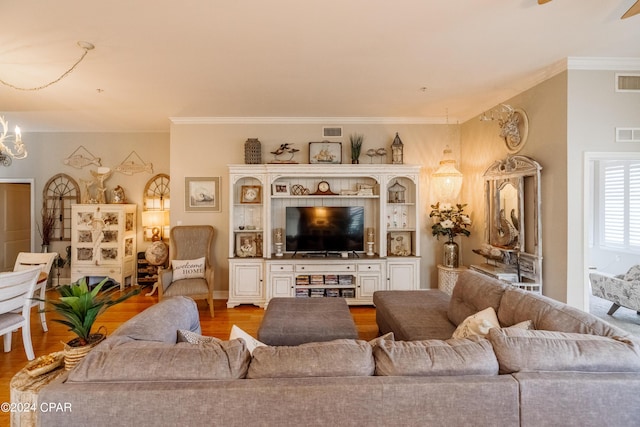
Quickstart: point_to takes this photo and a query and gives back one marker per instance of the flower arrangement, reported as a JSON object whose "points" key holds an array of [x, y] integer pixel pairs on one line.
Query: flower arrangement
{"points": [[449, 220]]}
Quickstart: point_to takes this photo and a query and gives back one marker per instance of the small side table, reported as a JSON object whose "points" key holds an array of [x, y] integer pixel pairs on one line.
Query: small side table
{"points": [[24, 389], [447, 277]]}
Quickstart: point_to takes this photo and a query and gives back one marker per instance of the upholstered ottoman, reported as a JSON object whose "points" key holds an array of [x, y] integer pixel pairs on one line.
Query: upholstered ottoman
{"points": [[293, 321]]}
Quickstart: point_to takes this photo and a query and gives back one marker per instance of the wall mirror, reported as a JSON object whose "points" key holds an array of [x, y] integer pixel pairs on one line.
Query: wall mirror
{"points": [[512, 217]]}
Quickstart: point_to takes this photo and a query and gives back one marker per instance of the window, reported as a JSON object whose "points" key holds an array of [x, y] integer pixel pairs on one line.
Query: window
{"points": [[620, 204], [60, 192]]}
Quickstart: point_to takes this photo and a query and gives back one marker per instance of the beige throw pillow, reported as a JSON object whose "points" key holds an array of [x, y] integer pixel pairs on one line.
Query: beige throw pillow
{"points": [[188, 269], [250, 341], [477, 324]]}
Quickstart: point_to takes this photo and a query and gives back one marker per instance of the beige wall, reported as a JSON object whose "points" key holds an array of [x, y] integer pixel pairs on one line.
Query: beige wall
{"points": [[545, 105], [202, 150], [48, 150], [594, 111]]}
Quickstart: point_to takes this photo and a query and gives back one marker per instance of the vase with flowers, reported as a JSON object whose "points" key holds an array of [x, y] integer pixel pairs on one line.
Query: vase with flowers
{"points": [[449, 220]]}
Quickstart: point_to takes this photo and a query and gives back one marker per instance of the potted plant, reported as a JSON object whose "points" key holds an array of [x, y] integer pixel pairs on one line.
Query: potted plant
{"points": [[356, 146], [79, 306]]}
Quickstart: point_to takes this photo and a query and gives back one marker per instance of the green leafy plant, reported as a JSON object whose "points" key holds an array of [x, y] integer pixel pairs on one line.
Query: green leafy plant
{"points": [[79, 306], [356, 145]]}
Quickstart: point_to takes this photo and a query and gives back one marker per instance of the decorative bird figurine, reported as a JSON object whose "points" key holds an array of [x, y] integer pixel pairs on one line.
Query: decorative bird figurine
{"points": [[285, 148]]}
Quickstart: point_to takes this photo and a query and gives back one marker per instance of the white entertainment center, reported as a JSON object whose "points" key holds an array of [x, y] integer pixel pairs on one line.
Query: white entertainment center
{"points": [[261, 268]]}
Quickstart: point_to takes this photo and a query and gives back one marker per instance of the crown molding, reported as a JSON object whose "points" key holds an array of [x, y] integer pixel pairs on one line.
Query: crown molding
{"points": [[307, 120], [603, 64]]}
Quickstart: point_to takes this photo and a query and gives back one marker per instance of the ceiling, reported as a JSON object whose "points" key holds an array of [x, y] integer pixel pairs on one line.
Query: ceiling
{"points": [[289, 58]]}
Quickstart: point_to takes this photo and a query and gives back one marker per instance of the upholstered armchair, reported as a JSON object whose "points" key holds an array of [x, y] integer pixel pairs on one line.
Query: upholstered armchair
{"points": [[623, 290], [190, 272]]}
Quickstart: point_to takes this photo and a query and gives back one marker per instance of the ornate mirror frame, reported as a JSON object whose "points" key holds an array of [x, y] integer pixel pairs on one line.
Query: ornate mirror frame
{"points": [[513, 217]]}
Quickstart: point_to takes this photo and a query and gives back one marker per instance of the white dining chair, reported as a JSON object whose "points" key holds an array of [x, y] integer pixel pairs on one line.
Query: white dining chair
{"points": [[16, 289], [44, 260]]}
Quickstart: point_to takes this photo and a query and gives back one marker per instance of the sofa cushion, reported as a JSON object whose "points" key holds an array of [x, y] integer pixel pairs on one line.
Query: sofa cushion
{"points": [[413, 315], [477, 324], [472, 356], [188, 269], [520, 350], [550, 315], [154, 361], [338, 358], [161, 322], [473, 292]]}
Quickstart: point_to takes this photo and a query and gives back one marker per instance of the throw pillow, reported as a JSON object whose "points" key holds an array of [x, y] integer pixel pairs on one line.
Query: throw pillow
{"points": [[477, 324], [525, 324], [519, 350], [386, 337], [193, 338], [633, 274], [188, 269], [469, 356], [251, 342]]}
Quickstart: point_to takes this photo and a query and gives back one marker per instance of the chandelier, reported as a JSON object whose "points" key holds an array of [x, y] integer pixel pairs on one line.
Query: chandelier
{"points": [[19, 150]]}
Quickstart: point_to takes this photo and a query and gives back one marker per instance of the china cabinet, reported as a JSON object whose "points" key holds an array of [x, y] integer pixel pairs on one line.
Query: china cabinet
{"points": [[103, 242]]}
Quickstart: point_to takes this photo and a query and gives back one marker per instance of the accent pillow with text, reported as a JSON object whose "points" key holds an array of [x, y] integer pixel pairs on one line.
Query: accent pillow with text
{"points": [[188, 269]]}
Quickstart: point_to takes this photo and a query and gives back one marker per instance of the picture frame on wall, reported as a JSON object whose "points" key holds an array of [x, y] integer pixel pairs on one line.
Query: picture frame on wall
{"points": [[202, 194], [251, 194], [399, 243], [325, 152]]}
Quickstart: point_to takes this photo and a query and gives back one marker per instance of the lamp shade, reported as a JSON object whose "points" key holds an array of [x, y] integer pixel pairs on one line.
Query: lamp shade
{"points": [[152, 218], [447, 180]]}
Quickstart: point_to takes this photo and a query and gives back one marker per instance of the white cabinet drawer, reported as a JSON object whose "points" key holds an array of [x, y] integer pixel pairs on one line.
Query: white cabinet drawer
{"points": [[369, 267], [275, 268], [321, 268], [98, 271]]}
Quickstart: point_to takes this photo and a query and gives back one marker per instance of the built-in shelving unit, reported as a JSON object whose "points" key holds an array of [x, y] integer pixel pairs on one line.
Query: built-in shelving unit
{"points": [[258, 272]]}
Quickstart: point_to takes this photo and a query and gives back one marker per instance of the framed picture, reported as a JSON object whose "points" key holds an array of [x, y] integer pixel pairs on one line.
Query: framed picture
{"points": [[246, 246], [325, 152], [280, 188], [251, 194], [399, 243], [202, 194]]}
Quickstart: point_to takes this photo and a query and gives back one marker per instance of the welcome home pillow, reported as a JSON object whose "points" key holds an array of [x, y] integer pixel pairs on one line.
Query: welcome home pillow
{"points": [[188, 269]]}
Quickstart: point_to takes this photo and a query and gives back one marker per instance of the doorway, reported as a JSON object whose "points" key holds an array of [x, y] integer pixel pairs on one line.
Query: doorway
{"points": [[594, 257], [17, 219]]}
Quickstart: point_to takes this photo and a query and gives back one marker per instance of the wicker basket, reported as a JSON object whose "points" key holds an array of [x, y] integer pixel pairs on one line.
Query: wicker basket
{"points": [[73, 355]]}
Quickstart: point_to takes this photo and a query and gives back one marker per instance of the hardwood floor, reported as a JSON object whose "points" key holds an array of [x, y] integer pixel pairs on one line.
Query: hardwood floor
{"points": [[246, 317]]}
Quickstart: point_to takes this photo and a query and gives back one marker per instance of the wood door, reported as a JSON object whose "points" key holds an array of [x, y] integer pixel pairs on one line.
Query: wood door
{"points": [[15, 222]]}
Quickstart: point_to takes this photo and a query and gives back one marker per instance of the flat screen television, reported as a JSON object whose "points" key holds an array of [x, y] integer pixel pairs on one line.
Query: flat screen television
{"points": [[324, 229]]}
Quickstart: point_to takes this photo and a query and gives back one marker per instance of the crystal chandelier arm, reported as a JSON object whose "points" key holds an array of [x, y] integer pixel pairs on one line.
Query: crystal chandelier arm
{"points": [[86, 46]]}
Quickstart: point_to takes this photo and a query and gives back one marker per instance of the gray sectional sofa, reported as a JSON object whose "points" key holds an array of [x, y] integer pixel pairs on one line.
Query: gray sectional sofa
{"points": [[141, 375]]}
